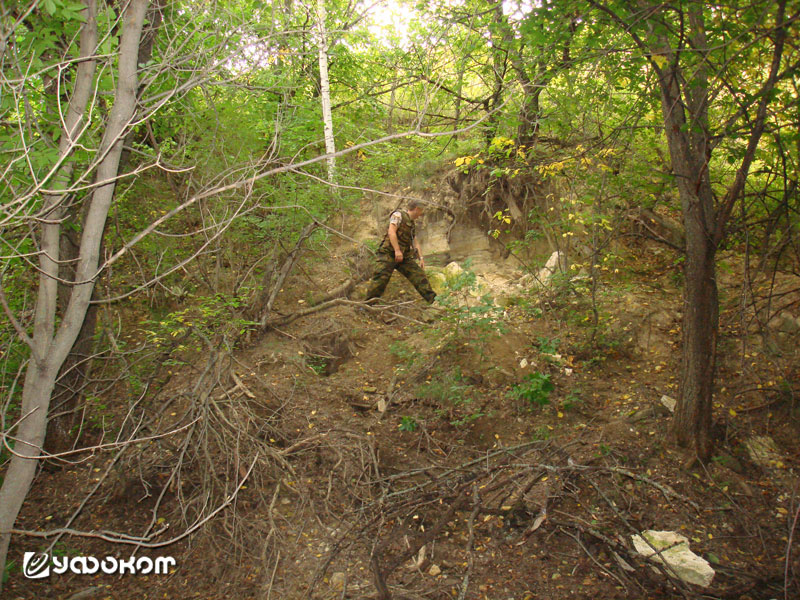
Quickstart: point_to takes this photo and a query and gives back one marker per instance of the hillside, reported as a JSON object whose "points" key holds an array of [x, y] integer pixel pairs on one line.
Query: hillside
{"points": [[202, 397], [501, 446]]}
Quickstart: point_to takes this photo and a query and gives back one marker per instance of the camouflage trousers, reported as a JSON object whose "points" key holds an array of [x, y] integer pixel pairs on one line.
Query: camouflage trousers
{"points": [[408, 267]]}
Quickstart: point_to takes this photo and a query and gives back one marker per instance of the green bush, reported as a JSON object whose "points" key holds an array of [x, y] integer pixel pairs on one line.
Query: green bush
{"points": [[408, 424], [535, 389]]}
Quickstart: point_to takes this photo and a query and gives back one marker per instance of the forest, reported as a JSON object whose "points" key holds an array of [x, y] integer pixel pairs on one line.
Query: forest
{"points": [[192, 197]]}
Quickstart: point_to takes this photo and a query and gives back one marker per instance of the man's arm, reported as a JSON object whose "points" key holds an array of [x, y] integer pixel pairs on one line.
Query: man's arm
{"points": [[392, 233], [419, 253]]}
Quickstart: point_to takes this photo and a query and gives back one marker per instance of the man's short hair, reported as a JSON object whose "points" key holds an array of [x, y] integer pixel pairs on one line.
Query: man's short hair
{"points": [[412, 204]]}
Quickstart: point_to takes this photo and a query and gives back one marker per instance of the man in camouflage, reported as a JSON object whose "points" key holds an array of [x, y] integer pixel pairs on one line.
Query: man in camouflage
{"points": [[399, 250]]}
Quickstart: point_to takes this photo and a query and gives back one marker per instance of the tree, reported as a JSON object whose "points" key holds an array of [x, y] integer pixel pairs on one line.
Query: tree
{"points": [[694, 49], [52, 340]]}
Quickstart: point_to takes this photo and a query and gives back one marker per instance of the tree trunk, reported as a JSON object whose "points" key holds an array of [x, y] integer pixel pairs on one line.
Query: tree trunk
{"points": [[73, 375], [692, 422], [686, 126], [499, 73], [683, 79], [50, 346], [325, 89], [529, 115]]}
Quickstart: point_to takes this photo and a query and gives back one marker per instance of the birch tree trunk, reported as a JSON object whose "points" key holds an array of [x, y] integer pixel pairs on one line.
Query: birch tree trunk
{"points": [[50, 345], [325, 88]]}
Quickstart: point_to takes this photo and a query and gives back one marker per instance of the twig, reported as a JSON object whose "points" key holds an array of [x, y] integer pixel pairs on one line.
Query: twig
{"points": [[663, 565], [789, 554], [666, 490], [143, 542], [94, 489], [47, 456], [594, 560], [242, 386]]}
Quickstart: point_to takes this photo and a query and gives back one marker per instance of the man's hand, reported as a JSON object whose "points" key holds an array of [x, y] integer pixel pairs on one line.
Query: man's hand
{"points": [[398, 256], [421, 262]]}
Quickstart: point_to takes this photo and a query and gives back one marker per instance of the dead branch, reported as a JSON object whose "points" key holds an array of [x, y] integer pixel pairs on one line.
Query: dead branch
{"points": [[143, 541], [476, 506]]}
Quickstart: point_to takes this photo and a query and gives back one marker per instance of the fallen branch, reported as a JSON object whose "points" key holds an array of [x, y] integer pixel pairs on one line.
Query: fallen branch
{"points": [[476, 506], [286, 319], [286, 268]]}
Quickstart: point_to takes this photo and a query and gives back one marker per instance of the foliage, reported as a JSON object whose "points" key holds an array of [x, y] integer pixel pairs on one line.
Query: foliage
{"points": [[453, 393], [207, 318], [219, 175], [407, 355], [408, 424], [534, 389], [8, 570], [467, 316], [547, 345]]}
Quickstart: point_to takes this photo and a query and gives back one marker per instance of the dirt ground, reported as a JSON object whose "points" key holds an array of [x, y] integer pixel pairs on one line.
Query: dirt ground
{"points": [[399, 453]]}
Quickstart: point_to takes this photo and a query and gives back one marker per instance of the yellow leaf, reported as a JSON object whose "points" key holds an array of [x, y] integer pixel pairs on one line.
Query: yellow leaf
{"points": [[732, 412], [659, 60]]}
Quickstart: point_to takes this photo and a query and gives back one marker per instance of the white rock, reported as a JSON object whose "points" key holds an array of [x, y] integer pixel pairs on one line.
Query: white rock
{"points": [[434, 570], [670, 403], [763, 450], [674, 552], [523, 363], [453, 270], [554, 262]]}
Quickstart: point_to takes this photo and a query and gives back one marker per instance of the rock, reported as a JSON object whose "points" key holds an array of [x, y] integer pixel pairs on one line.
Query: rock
{"points": [[642, 414], [785, 323], [338, 580], [675, 553], [453, 270], [523, 363], [437, 279], [434, 571], [556, 262], [763, 451], [730, 462], [670, 403], [481, 287]]}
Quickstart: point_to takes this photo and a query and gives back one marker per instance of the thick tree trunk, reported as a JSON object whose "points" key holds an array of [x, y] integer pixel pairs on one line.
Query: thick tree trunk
{"points": [[50, 347], [686, 125], [692, 422]]}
